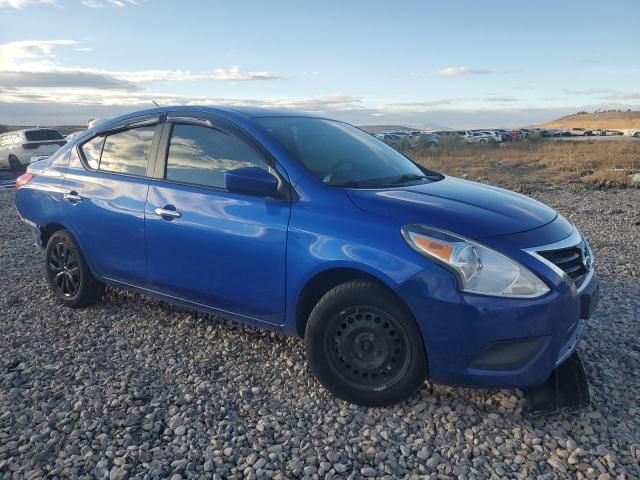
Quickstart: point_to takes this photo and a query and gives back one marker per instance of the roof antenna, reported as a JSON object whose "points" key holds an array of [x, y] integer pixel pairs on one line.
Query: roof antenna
{"points": [[155, 103]]}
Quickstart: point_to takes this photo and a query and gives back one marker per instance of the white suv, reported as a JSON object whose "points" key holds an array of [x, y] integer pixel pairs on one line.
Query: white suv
{"points": [[20, 148]]}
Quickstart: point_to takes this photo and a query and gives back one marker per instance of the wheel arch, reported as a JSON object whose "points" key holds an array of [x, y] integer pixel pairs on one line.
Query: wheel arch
{"points": [[320, 283], [48, 230]]}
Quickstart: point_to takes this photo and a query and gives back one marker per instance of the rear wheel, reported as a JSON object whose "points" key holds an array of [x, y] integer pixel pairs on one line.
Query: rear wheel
{"points": [[69, 276], [364, 346], [14, 163]]}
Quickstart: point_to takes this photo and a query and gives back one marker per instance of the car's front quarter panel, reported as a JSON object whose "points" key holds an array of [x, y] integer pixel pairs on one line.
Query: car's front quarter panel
{"points": [[327, 231]]}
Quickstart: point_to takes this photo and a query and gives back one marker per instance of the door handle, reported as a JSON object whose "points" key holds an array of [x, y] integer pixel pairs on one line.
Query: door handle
{"points": [[163, 212], [72, 197]]}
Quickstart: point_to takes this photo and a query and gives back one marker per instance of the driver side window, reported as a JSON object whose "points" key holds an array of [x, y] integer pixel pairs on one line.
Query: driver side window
{"points": [[200, 155]]}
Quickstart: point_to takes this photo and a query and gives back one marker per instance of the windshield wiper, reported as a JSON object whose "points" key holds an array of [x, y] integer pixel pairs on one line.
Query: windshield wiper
{"points": [[359, 184], [409, 177]]}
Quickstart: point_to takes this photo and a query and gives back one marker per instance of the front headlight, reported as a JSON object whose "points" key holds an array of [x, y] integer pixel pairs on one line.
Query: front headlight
{"points": [[479, 269]]}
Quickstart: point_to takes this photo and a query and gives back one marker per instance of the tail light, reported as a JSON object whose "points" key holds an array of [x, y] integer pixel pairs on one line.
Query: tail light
{"points": [[23, 179]]}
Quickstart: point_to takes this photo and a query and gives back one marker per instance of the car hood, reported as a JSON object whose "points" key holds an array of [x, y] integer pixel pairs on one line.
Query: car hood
{"points": [[470, 209]]}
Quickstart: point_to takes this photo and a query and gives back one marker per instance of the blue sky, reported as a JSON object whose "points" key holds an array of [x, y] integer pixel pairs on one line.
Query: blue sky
{"points": [[454, 63]]}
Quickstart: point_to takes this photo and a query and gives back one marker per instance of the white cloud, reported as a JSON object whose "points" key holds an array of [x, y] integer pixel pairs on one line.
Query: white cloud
{"points": [[33, 63], [622, 96], [500, 99], [24, 52], [25, 3], [412, 107], [606, 94], [459, 71], [91, 97], [104, 3], [590, 91]]}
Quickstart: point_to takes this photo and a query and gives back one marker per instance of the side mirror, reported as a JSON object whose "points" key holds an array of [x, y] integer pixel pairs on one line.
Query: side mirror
{"points": [[251, 181]]}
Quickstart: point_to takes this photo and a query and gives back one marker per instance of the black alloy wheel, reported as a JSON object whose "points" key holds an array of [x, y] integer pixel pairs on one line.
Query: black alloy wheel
{"points": [[69, 276], [66, 270]]}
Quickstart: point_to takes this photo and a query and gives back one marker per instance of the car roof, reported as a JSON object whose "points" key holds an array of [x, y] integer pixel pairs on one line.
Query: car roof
{"points": [[245, 112]]}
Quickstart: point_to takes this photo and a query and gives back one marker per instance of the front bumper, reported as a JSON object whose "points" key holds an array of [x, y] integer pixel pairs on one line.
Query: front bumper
{"points": [[480, 341]]}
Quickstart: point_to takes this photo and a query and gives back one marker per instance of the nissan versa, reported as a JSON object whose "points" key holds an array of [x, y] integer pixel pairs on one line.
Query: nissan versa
{"points": [[392, 273]]}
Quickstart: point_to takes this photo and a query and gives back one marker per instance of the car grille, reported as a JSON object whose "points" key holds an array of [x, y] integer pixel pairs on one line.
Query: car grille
{"points": [[574, 261]]}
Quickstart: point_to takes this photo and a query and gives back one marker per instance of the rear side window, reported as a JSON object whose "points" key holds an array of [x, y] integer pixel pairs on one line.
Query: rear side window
{"points": [[91, 151], [43, 135], [128, 151], [201, 155]]}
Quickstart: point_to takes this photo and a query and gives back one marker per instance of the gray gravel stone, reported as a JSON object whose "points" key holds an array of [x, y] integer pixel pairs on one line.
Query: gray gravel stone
{"points": [[136, 388]]}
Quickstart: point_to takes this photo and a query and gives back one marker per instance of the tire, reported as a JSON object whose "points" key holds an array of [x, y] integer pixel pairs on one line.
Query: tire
{"points": [[482, 140], [14, 163], [70, 278], [364, 346]]}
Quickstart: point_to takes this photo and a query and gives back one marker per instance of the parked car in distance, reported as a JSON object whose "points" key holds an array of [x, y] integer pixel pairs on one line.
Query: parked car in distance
{"points": [[504, 136], [494, 135], [515, 135], [431, 139], [478, 137], [637, 134], [17, 148], [524, 132], [614, 133], [391, 272], [389, 138], [580, 132]]}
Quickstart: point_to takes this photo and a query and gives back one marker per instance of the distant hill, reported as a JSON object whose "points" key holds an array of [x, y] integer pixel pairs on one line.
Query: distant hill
{"points": [[621, 120], [401, 128]]}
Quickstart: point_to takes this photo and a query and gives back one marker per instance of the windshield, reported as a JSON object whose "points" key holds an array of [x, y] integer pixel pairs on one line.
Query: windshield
{"points": [[341, 155]]}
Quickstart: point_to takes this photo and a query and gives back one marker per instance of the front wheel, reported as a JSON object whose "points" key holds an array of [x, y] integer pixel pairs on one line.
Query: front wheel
{"points": [[69, 276], [364, 346], [14, 164]]}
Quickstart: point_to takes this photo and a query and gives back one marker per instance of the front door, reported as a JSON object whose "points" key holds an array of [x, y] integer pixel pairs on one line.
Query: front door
{"points": [[207, 245]]}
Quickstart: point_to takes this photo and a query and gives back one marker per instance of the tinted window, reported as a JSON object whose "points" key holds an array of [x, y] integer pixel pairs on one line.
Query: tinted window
{"points": [[43, 135], [202, 155], [91, 151], [339, 154], [128, 151]]}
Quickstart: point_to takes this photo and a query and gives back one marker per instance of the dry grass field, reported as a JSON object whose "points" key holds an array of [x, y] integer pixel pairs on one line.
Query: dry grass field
{"points": [[604, 120], [545, 161]]}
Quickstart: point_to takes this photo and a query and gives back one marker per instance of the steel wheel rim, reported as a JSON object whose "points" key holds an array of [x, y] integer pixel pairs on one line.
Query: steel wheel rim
{"points": [[65, 270], [368, 347]]}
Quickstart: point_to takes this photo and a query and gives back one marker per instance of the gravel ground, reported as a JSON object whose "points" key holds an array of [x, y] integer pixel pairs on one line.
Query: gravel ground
{"points": [[135, 388]]}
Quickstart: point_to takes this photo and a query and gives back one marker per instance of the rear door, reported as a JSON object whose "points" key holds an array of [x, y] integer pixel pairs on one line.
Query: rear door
{"points": [[105, 191], [220, 249]]}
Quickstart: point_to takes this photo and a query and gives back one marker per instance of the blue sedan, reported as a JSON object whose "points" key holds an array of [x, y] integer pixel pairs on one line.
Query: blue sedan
{"points": [[391, 273]]}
